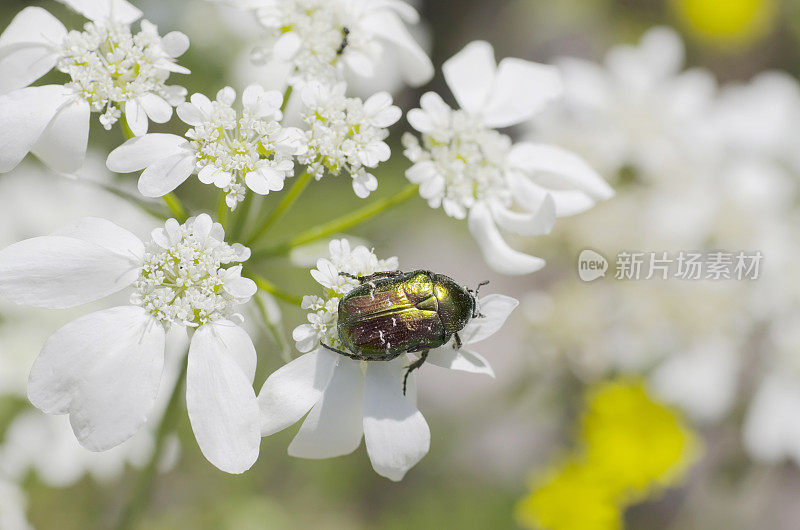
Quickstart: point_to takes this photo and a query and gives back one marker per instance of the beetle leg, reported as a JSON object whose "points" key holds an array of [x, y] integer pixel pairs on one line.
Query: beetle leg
{"points": [[413, 366], [340, 352], [457, 345], [371, 277]]}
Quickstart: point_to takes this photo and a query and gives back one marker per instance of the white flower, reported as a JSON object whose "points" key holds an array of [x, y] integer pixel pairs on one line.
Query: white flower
{"points": [[13, 506], [637, 111], [232, 150], [347, 399], [111, 71], [702, 382], [321, 39], [465, 166], [771, 429], [46, 445], [347, 133], [104, 369]]}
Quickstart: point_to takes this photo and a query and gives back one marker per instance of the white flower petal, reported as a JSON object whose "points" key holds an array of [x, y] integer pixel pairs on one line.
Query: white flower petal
{"points": [[26, 48], [326, 273], [374, 153], [421, 172], [498, 255], [561, 168], [24, 116], [105, 10], [286, 46], [241, 287], [156, 108], [136, 117], [115, 395], [175, 43], [290, 392], [220, 399], [103, 368], [62, 145], [495, 309], [461, 359], [380, 110], [532, 196], [528, 223], [265, 180], [57, 272], [106, 234], [470, 74], [405, 11], [521, 90], [334, 425], [396, 434], [415, 64], [165, 175], [138, 153], [191, 114]]}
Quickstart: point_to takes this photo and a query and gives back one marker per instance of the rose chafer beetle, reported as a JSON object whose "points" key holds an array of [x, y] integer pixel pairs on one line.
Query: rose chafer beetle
{"points": [[396, 312]]}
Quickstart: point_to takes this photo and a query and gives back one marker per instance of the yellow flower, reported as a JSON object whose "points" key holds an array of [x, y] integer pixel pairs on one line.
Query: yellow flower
{"points": [[637, 442], [572, 497], [632, 446], [728, 22]]}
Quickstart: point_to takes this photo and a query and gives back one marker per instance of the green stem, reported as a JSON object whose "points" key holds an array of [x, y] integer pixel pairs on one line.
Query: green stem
{"points": [[288, 200], [176, 207], [273, 289], [338, 225], [272, 328], [123, 125], [222, 209], [143, 489], [286, 96], [145, 206], [241, 216]]}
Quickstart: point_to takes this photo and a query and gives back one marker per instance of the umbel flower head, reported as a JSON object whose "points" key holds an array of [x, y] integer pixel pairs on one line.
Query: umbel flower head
{"points": [[111, 70], [346, 399], [229, 149], [347, 134], [325, 39], [104, 369], [469, 169]]}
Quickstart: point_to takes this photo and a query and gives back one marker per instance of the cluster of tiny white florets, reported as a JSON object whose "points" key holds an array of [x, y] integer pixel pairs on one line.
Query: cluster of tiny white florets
{"points": [[182, 279], [347, 134], [235, 150], [323, 315], [110, 66], [314, 36], [458, 162]]}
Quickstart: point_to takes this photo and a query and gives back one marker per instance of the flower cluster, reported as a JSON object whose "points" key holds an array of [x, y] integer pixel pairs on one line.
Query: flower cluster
{"points": [[111, 71], [177, 280], [346, 399], [182, 279], [322, 40], [115, 71], [347, 133], [229, 149], [359, 261], [468, 168]]}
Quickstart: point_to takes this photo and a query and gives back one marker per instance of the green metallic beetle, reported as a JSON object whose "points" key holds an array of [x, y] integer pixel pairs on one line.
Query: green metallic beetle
{"points": [[396, 312]]}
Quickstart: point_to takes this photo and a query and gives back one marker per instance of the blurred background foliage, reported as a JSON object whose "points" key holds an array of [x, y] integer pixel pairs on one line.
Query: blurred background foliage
{"points": [[492, 440]]}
